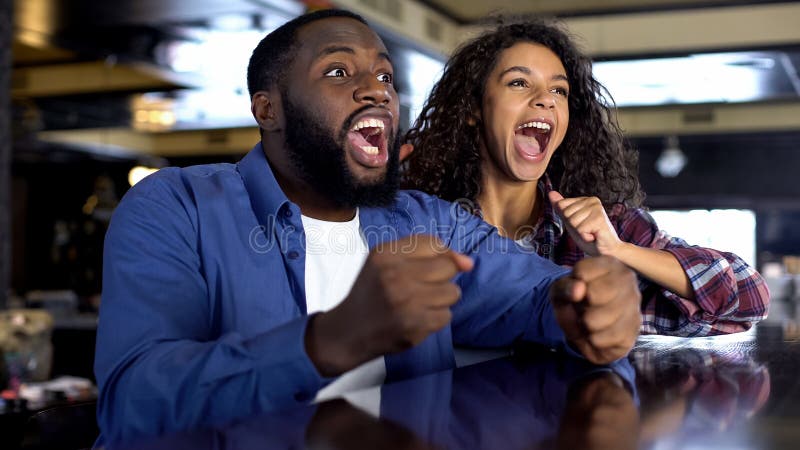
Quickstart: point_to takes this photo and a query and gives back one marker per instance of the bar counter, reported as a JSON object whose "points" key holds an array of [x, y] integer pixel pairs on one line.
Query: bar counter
{"points": [[729, 392]]}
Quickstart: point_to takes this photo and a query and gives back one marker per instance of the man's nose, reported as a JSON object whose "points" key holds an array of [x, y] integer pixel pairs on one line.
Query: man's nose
{"points": [[372, 90]]}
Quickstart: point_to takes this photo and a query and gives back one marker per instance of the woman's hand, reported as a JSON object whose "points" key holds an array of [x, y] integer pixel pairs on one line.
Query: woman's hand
{"points": [[587, 223]]}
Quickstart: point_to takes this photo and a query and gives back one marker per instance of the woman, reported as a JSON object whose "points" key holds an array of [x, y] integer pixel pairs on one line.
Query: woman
{"points": [[518, 111]]}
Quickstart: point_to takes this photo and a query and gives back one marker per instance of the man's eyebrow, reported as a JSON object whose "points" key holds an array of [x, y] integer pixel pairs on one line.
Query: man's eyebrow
{"points": [[331, 49]]}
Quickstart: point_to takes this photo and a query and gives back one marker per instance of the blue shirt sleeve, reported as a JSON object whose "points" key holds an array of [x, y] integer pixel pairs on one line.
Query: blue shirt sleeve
{"points": [[159, 365], [505, 298]]}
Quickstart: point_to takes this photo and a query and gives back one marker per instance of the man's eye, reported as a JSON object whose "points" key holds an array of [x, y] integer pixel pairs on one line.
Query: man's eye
{"points": [[385, 78], [338, 73]]}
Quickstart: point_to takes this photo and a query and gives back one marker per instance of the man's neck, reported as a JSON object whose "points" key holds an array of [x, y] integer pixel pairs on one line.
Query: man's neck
{"points": [[312, 204]]}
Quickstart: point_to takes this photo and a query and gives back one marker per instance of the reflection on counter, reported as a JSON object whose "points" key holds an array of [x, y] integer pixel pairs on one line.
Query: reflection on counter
{"points": [[697, 390], [672, 393], [508, 404]]}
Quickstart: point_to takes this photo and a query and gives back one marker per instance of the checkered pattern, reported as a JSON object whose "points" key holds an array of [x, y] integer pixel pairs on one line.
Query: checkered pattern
{"points": [[730, 296]]}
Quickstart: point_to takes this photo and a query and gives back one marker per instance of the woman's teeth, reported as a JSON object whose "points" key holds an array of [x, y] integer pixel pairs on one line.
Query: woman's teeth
{"points": [[540, 125]]}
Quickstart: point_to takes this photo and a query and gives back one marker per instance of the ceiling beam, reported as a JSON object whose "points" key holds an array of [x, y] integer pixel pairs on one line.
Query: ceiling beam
{"points": [[705, 119], [120, 141], [693, 30], [26, 49], [93, 77]]}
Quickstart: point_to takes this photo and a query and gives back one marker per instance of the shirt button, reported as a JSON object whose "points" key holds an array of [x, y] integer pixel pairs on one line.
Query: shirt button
{"points": [[293, 255], [287, 212], [302, 397]]}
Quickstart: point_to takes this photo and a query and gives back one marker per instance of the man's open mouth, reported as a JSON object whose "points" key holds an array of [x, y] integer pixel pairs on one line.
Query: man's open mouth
{"points": [[532, 137], [369, 141]]}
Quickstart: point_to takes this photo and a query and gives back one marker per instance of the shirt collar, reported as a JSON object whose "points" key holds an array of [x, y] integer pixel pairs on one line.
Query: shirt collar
{"points": [[266, 196], [549, 214]]}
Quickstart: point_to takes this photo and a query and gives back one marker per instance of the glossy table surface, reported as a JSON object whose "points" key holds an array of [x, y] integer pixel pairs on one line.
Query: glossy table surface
{"points": [[739, 392]]}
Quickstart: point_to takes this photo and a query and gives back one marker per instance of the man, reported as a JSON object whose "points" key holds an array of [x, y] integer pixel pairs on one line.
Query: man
{"points": [[217, 306]]}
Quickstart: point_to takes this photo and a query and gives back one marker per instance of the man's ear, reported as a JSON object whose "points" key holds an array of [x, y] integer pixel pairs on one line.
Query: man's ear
{"points": [[266, 108]]}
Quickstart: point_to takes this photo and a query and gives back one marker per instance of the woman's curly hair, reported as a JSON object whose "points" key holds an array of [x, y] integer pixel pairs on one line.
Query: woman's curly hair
{"points": [[593, 160]]}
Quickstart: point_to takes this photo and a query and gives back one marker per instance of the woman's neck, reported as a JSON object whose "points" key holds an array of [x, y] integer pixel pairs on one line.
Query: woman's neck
{"points": [[514, 207]]}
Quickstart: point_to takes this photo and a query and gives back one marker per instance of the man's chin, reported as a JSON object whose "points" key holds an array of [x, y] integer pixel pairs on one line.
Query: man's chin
{"points": [[367, 177], [372, 191]]}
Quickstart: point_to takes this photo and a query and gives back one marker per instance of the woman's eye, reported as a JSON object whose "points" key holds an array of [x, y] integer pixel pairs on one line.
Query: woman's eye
{"points": [[338, 73], [517, 83], [385, 78], [561, 91]]}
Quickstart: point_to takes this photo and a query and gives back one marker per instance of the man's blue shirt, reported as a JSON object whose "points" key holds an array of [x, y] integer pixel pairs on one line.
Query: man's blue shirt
{"points": [[203, 309]]}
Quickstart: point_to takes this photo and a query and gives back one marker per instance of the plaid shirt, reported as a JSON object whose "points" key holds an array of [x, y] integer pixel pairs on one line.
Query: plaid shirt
{"points": [[730, 296]]}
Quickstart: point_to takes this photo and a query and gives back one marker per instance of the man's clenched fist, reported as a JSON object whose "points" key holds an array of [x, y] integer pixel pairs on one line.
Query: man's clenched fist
{"points": [[598, 307]]}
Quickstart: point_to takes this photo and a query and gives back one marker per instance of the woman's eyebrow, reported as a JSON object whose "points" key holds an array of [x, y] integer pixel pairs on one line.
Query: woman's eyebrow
{"points": [[522, 69], [527, 71]]}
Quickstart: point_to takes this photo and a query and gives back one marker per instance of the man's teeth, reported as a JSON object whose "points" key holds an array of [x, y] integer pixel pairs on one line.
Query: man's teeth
{"points": [[540, 125], [369, 123], [370, 150]]}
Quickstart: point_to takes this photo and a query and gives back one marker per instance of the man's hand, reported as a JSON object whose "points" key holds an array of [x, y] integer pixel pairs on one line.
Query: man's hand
{"points": [[405, 151], [402, 295], [597, 306], [601, 414], [587, 223]]}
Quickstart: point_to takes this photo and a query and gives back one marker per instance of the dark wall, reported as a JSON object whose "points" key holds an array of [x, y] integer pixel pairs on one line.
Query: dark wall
{"points": [[738, 170], [58, 243], [58, 232], [6, 15], [757, 171], [778, 233]]}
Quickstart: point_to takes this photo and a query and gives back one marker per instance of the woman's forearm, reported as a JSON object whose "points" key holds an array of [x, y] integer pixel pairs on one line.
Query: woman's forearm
{"points": [[658, 266]]}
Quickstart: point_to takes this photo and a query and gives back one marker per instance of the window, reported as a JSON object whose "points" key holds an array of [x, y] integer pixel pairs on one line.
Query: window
{"points": [[731, 230]]}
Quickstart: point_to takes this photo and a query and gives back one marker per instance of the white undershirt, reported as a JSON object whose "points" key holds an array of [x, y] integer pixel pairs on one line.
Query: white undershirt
{"points": [[335, 254]]}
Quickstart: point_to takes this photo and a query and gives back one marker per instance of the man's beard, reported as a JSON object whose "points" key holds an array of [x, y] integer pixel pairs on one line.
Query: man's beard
{"points": [[322, 163]]}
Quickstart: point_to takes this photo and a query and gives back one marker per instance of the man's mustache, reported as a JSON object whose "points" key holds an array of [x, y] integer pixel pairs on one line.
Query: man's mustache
{"points": [[348, 124]]}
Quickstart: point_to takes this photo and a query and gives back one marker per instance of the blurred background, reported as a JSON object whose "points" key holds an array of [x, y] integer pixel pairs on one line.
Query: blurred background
{"points": [[104, 92]]}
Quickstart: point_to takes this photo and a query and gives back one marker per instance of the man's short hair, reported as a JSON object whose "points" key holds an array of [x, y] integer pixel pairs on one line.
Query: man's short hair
{"points": [[271, 56]]}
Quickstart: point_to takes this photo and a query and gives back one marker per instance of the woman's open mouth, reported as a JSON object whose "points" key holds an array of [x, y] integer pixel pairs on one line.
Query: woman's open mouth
{"points": [[531, 139]]}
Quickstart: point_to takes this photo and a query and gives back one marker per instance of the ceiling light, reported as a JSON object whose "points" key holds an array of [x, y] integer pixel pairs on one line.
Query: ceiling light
{"points": [[138, 173], [672, 160]]}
